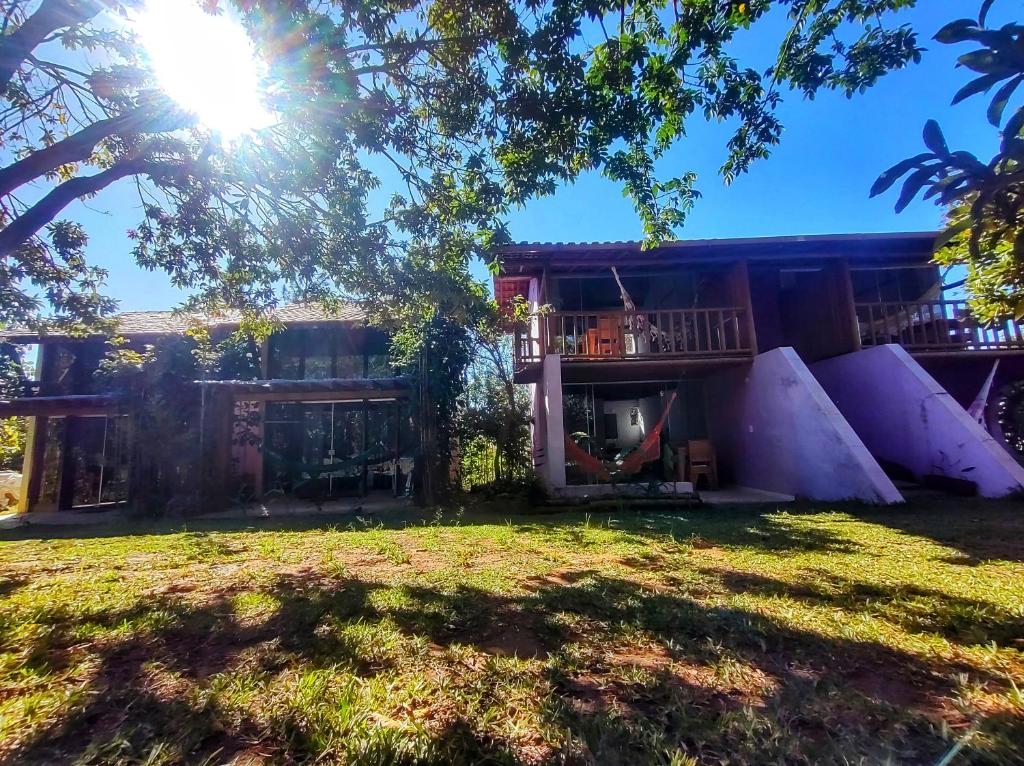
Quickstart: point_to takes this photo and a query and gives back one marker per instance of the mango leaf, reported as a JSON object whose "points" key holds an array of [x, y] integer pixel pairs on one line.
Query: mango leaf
{"points": [[985, 62], [995, 109], [956, 31], [1014, 124], [983, 12], [934, 139], [949, 234], [912, 186], [978, 85], [888, 178]]}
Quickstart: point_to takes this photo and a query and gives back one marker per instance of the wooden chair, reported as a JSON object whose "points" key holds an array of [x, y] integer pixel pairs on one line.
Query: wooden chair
{"points": [[609, 341], [703, 462]]}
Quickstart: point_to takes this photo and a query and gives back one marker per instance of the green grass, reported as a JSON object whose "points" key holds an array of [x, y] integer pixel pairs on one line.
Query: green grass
{"points": [[844, 636]]}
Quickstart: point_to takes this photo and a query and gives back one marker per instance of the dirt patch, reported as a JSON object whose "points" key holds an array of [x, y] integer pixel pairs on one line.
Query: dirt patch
{"points": [[563, 578], [893, 688], [515, 641], [653, 657]]}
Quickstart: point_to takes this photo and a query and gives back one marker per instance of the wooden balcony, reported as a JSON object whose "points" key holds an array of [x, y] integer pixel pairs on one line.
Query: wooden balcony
{"points": [[922, 326], [643, 335]]}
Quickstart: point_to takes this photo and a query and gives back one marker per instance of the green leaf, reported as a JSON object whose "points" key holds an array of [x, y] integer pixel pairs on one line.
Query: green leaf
{"points": [[956, 31], [978, 85], [915, 181], [995, 109], [948, 235], [985, 62], [1014, 124], [934, 139], [888, 178], [983, 12]]}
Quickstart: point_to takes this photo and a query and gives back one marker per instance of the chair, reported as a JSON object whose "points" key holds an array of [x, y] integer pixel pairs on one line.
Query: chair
{"points": [[609, 342], [703, 462]]}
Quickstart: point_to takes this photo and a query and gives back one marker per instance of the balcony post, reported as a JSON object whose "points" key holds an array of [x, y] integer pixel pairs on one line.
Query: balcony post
{"points": [[741, 275], [847, 304]]}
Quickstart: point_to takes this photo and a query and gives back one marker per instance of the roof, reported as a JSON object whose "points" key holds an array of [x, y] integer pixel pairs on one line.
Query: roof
{"points": [[896, 244], [154, 323]]}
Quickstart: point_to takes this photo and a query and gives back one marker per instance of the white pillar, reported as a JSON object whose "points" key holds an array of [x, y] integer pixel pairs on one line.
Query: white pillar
{"points": [[551, 394]]}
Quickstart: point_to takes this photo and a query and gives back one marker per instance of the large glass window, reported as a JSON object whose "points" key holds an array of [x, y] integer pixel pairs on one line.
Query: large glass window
{"points": [[329, 449], [97, 461], [319, 353]]}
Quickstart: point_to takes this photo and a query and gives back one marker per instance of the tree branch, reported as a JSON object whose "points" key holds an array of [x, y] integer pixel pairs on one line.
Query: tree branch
{"points": [[80, 146], [49, 17], [28, 224]]}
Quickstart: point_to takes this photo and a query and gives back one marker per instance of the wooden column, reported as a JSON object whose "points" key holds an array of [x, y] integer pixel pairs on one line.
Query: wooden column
{"points": [[847, 305], [366, 424], [32, 464], [35, 446], [741, 291]]}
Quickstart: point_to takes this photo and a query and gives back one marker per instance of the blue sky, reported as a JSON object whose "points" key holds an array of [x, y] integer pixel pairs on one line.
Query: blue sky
{"points": [[816, 181]]}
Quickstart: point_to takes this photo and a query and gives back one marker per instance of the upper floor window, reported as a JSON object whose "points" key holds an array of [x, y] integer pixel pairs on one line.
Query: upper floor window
{"points": [[316, 353]]}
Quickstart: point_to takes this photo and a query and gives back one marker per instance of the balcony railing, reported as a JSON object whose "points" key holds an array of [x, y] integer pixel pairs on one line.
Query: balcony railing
{"points": [[935, 326], [663, 334]]}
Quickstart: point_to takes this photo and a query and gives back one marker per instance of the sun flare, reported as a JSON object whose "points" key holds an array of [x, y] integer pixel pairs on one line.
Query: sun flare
{"points": [[207, 64]]}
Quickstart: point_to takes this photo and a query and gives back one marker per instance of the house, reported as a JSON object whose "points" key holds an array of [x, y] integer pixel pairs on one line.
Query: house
{"points": [[324, 417], [822, 367]]}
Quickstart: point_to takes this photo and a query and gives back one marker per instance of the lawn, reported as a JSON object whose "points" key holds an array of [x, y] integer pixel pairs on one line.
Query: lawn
{"points": [[815, 636]]}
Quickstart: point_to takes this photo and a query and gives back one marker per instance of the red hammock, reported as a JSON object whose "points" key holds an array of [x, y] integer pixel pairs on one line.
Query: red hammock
{"points": [[633, 462]]}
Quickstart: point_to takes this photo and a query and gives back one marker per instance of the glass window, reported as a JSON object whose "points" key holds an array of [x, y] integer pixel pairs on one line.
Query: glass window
{"points": [[351, 363], [286, 355], [378, 366]]}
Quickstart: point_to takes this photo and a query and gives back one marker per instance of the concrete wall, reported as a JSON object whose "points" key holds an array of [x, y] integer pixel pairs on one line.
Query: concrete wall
{"points": [[548, 401], [904, 416], [649, 410], [775, 429]]}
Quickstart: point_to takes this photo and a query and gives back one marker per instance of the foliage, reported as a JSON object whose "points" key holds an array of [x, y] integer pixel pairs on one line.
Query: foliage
{"points": [[171, 424], [12, 443], [985, 226], [436, 350], [495, 421], [13, 384], [724, 636], [466, 106]]}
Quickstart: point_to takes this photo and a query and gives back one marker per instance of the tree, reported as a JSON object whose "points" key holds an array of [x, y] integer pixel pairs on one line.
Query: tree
{"points": [[473, 105], [985, 220], [13, 383], [497, 411]]}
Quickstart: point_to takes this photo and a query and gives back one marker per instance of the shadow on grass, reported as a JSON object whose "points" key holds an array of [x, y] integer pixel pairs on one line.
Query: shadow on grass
{"points": [[819, 699], [978, 530], [914, 608]]}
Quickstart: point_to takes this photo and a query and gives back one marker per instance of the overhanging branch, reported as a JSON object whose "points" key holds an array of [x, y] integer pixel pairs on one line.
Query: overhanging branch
{"points": [[28, 224], [80, 146], [49, 17]]}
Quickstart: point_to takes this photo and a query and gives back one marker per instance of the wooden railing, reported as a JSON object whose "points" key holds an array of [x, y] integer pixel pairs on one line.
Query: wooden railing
{"points": [[935, 326], [668, 333]]}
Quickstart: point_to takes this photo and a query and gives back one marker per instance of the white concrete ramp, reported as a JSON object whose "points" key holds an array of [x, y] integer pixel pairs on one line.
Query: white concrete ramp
{"points": [[904, 416], [777, 430]]}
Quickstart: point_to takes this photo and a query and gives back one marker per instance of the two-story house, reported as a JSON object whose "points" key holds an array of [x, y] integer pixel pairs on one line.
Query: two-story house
{"points": [[326, 417], [815, 366]]}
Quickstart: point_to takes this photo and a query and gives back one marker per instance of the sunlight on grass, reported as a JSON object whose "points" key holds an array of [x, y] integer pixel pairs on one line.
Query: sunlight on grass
{"points": [[726, 636]]}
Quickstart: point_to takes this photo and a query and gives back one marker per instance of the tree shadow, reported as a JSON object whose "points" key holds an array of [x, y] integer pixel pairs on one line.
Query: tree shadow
{"points": [[914, 608], [627, 673], [978, 530], [760, 530]]}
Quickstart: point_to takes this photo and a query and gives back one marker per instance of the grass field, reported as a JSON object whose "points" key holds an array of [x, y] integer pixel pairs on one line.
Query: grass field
{"points": [[704, 636]]}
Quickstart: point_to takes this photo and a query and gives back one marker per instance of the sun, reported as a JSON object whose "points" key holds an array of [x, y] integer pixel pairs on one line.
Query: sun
{"points": [[207, 64]]}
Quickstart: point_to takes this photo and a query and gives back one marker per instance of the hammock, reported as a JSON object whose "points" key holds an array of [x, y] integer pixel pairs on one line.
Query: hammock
{"points": [[373, 456], [633, 462]]}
